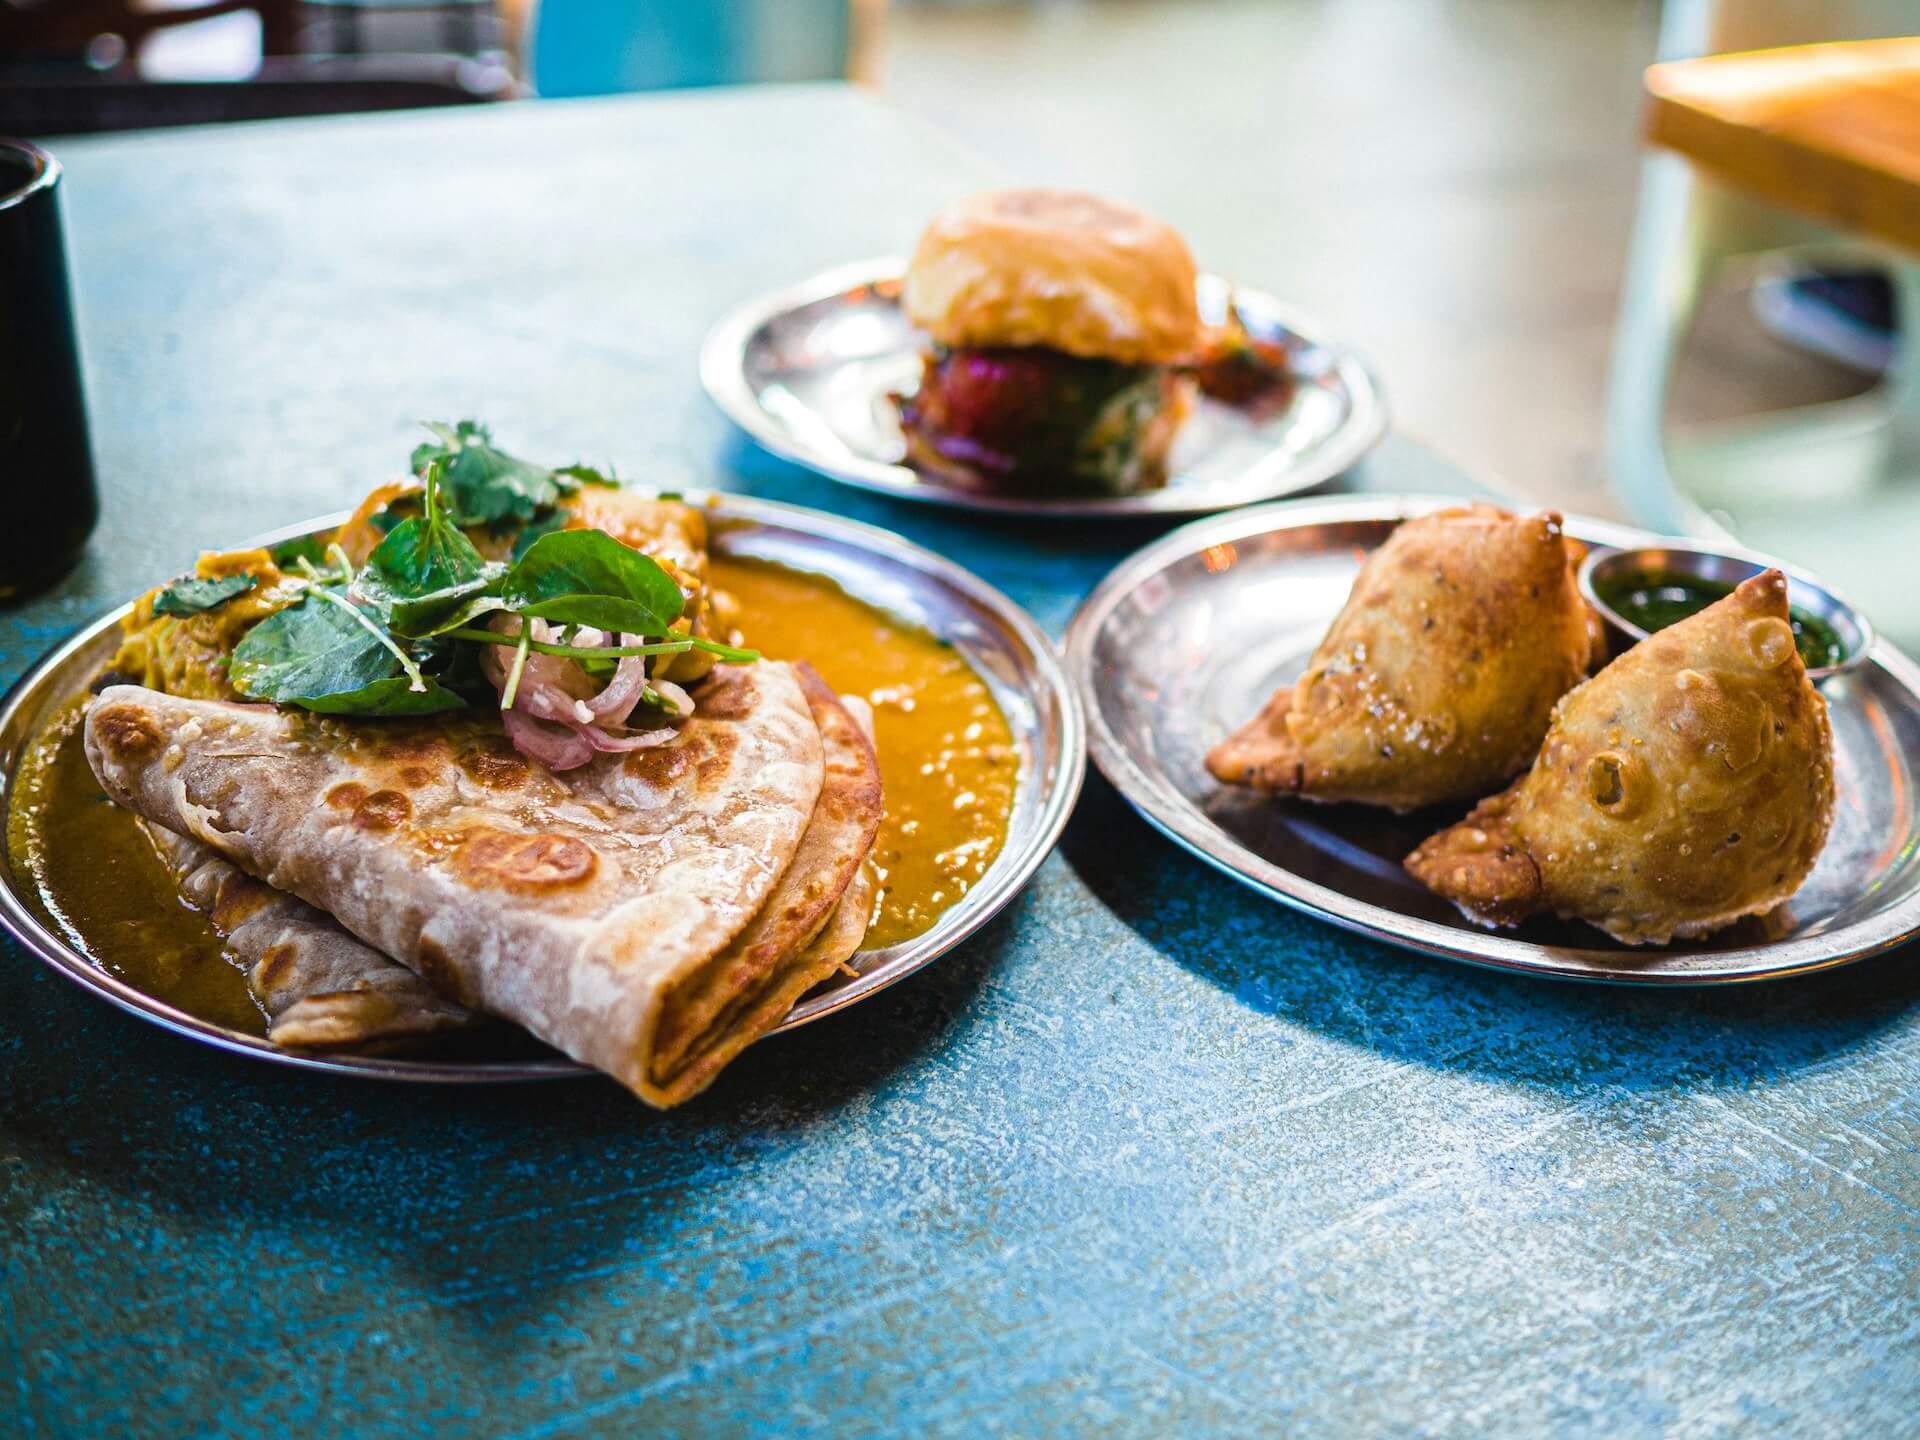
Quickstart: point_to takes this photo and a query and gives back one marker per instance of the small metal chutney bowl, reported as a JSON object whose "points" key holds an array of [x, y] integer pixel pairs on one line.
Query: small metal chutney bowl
{"points": [[1805, 594]]}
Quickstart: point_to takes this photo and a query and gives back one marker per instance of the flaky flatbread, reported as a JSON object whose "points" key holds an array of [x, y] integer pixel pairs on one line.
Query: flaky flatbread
{"points": [[756, 969], [585, 906], [322, 989]]}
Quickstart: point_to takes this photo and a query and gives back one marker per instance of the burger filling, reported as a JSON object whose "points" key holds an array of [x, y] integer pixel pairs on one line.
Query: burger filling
{"points": [[1045, 418]]}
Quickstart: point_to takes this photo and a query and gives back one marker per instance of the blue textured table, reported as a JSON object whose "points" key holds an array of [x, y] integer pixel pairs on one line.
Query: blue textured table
{"points": [[1148, 1156]]}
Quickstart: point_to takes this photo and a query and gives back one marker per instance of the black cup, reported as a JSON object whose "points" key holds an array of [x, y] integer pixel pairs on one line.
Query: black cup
{"points": [[46, 464]]}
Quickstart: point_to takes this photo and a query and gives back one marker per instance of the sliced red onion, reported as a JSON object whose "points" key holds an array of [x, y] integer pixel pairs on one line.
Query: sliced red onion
{"points": [[554, 746], [643, 740], [614, 704], [681, 701], [555, 719]]}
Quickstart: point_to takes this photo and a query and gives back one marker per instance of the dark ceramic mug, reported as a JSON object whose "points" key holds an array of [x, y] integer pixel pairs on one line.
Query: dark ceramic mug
{"points": [[46, 463]]}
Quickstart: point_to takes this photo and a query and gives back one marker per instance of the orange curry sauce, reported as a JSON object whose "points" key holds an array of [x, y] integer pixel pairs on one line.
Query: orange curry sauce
{"points": [[947, 763]]}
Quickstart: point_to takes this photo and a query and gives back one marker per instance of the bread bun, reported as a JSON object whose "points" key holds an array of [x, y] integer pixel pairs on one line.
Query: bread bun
{"points": [[1054, 268]]}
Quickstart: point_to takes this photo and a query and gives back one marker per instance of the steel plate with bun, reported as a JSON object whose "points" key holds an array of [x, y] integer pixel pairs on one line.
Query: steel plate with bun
{"points": [[810, 372], [1187, 638], [999, 640]]}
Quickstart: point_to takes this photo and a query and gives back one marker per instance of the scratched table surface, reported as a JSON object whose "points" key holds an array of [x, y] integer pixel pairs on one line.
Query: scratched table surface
{"points": [[1148, 1156]]}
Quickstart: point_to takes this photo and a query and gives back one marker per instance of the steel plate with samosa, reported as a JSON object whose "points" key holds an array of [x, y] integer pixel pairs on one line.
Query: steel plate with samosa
{"points": [[495, 753]]}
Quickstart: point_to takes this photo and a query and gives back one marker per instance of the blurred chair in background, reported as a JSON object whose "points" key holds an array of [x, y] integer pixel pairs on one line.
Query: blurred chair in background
{"points": [[108, 35], [353, 27], [74, 66], [70, 66], [1805, 157]]}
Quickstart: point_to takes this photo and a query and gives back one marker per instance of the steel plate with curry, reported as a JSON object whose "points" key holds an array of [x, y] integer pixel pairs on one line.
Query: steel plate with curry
{"points": [[493, 764]]}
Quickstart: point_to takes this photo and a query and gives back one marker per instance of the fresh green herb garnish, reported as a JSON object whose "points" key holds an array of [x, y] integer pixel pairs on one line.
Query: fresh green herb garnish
{"points": [[190, 597], [586, 577], [288, 554], [428, 553], [397, 638], [393, 696], [587, 475], [312, 651], [426, 567], [485, 485], [534, 529], [593, 652]]}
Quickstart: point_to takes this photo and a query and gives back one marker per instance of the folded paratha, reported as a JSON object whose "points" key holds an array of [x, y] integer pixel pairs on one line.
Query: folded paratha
{"points": [[325, 990], [322, 989], [757, 978], [596, 908]]}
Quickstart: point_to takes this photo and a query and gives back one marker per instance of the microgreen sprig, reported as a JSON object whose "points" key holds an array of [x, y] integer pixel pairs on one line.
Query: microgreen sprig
{"points": [[396, 636]]}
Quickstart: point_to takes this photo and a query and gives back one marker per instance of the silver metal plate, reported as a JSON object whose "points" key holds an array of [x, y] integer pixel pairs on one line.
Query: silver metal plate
{"points": [[998, 639], [809, 372], [1188, 637]]}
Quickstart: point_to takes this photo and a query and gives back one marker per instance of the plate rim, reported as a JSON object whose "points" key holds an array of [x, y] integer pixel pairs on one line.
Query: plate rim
{"points": [[723, 377], [1188, 827], [1008, 876]]}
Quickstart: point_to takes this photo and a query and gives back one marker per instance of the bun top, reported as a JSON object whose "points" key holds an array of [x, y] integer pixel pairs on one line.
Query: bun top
{"points": [[1054, 268]]}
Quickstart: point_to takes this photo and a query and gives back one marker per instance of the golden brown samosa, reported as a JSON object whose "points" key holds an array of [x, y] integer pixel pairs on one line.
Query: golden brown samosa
{"points": [[1438, 676], [1688, 784]]}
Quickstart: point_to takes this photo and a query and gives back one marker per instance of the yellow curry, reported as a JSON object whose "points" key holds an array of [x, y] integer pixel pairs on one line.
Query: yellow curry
{"points": [[946, 760]]}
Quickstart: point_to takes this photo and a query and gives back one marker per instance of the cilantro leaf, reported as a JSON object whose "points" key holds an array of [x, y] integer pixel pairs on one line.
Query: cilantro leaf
{"points": [[307, 652], [534, 529], [487, 486], [484, 484], [425, 567], [190, 597], [586, 577], [438, 611], [393, 696], [584, 475], [428, 552], [288, 554]]}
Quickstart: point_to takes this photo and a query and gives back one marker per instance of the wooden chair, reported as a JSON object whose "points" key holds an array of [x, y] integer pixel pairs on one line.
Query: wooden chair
{"points": [[463, 24], [68, 30], [72, 66], [1810, 152]]}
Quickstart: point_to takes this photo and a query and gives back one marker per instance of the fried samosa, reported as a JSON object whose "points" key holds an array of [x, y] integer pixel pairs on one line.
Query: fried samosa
{"points": [[1437, 678], [1688, 784]]}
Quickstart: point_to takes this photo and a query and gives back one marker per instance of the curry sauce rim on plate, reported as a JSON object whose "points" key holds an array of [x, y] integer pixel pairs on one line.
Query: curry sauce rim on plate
{"points": [[1003, 646]]}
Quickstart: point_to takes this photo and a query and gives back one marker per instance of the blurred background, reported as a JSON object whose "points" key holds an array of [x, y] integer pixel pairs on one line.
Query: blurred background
{"points": [[1450, 185]]}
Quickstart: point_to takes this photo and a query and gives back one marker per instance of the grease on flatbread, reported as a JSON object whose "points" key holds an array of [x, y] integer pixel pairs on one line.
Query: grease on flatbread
{"points": [[583, 906], [322, 988]]}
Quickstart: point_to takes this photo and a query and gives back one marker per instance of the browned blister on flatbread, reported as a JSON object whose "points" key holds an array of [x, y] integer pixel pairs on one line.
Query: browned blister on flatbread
{"points": [[322, 988], [578, 905]]}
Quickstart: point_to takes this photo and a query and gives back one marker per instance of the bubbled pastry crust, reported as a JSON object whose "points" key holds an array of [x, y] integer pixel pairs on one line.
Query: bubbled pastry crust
{"points": [[1687, 785], [1437, 679]]}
